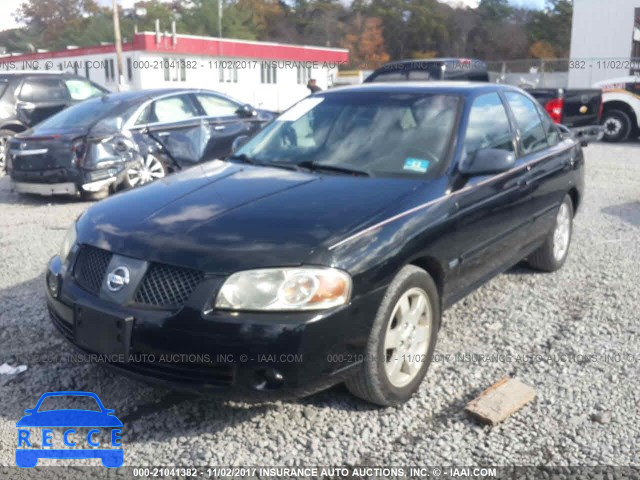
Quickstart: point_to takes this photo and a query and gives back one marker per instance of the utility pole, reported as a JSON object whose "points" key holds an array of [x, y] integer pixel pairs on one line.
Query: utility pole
{"points": [[118, 38]]}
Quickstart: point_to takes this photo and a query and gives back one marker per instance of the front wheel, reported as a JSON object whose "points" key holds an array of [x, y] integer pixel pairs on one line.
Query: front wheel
{"points": [[617, 126], [401, 342], [555, 249]]}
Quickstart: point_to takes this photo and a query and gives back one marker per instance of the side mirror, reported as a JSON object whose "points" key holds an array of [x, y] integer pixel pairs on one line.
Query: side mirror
{"points": [[489, 161], [246, 111], [239, 142]]}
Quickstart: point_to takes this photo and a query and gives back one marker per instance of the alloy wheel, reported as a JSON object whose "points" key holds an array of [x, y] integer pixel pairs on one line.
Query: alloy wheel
{"points": [[562, 232], [407, 337], [146, 171], [613, 126]]}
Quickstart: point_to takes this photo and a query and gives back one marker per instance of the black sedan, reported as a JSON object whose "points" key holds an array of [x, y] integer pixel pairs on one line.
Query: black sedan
{"points": [[326, 248], [127, 139]]}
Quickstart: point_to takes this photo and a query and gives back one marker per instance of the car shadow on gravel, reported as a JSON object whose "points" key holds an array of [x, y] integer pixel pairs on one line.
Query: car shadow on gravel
{"points": [[628, 212]]}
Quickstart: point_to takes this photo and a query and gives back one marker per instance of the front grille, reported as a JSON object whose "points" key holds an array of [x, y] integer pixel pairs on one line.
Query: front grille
{"points": [[91, 267], [167, 286]]}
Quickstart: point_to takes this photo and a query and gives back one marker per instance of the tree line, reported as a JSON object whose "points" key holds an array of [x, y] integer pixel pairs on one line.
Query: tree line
{"points": [[374, 31]]}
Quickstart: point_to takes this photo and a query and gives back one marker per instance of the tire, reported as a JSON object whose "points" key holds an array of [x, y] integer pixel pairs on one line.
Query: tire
{"points": [[617, 126], [5, 135], [555, 249], [375, 381], [149, 169]]}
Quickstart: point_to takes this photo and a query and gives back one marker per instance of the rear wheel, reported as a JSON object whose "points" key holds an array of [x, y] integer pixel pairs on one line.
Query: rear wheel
{"points": [[5, 136], [147, 170], [554, 251], [617, 125], [401, 341]]}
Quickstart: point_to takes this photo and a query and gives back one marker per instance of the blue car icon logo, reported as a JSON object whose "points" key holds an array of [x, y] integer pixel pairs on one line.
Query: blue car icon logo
{"points": [[98, 423]]}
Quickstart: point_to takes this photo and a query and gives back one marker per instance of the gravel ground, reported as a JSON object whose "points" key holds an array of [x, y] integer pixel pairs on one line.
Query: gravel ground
{"points": [[573, 335]]}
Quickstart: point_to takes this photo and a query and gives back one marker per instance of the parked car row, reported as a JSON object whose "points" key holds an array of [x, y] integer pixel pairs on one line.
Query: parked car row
{"points": [[105, 142], [111, 141]]}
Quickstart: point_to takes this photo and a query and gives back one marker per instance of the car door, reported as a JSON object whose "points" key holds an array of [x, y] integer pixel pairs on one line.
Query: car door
{"points": [[174, 123], [548, 161], [227, 121], [40, 97], [491, 216]]}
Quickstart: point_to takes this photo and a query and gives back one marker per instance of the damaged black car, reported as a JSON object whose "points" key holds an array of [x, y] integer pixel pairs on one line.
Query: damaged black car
{"points": [[127, 139]]}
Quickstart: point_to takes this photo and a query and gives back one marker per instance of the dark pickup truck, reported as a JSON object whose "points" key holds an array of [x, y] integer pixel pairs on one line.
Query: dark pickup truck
{"points": [[579, 110]]}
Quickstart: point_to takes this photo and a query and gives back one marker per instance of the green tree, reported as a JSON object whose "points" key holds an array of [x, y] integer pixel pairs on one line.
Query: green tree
{"points": [[553, 26]]}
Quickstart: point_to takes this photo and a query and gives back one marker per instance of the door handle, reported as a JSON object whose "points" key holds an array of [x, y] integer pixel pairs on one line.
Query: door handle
{"points": [[163, 134], [219, 127]]}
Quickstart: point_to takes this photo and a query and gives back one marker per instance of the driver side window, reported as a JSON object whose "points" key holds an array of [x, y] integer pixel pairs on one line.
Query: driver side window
{"points": [[488, 127]]}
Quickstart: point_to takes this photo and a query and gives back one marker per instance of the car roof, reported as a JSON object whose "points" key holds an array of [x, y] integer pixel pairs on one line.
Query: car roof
{"points": [[442, 87], [147, 94]]}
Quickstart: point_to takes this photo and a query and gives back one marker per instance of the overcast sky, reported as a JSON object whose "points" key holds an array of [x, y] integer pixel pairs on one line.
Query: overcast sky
{"points": [[7, 21]]}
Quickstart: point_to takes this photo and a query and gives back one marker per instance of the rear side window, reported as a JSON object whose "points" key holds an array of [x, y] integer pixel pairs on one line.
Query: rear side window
{"points": [[488, 127], [553, 135], [81, 89], [3, 85], [532, 134], [40, 90]]}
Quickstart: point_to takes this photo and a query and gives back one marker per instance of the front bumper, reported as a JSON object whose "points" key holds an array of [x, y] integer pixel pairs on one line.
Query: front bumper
{"points": [[245, 355], [588, 134]]}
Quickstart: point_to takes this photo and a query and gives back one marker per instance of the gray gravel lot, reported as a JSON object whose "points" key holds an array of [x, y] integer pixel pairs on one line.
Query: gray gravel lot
{"points": [[555, 328]]}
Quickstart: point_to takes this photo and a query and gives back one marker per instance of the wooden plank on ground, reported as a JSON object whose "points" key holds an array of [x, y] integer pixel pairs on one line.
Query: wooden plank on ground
{"points": [[500, 400]]}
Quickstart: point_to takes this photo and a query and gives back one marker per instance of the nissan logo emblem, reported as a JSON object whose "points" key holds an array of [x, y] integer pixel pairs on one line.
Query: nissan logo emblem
{"points": [[118, 279]]}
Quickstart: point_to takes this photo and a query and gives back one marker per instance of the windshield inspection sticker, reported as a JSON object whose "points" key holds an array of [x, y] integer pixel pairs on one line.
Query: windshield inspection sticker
{"points": [[416, 165], [299, 109], [102, 440]]}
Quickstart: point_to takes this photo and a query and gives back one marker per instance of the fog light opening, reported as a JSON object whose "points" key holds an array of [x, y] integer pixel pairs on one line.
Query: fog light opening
{"points": [[53, 284], [268, 379]]}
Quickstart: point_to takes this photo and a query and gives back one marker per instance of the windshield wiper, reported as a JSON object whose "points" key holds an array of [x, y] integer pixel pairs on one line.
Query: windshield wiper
{"points": [[244, 158], [335, 168]]}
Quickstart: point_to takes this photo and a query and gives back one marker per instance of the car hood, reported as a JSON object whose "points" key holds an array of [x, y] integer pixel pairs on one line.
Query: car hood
{"points": [[220, 217], [69, 418]]}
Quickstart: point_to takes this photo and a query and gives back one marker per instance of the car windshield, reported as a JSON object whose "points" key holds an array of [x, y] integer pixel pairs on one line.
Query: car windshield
{"points": [[81, 115], [373, 133], [68, 402]]}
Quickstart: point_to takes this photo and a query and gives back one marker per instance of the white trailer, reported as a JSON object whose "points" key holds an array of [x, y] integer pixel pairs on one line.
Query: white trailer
{"points": [[605, 53]]}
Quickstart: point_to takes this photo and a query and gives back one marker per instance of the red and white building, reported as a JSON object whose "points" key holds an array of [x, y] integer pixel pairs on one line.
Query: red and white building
{"points": [[266, 75]]}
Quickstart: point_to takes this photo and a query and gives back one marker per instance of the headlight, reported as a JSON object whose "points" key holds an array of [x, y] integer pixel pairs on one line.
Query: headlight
{"points": [[68, 243], [281, 289]]}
